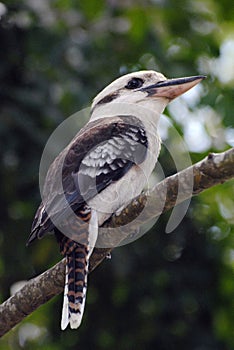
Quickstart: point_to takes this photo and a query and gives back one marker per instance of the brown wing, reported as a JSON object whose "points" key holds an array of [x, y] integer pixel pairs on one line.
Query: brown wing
{"points": [[102, 152]]}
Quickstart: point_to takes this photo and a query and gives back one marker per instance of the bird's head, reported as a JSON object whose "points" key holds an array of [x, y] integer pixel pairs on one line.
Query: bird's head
{"points": [[144, 88]]}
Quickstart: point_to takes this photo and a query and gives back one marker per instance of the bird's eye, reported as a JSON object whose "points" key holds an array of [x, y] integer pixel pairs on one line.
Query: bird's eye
{"points": [[134, 83]]}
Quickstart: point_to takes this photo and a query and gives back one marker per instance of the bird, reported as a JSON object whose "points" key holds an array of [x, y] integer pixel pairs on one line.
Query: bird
{"points": [[104, 167]]}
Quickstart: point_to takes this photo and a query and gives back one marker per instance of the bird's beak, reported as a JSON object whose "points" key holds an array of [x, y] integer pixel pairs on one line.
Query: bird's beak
{"points": [[172, 88]]}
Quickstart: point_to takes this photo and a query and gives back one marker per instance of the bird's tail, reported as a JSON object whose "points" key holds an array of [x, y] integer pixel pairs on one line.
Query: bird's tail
{"points": [[75, 285], [77, 265]]}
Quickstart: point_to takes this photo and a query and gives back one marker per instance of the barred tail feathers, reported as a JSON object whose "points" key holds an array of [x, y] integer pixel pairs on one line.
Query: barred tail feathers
{"points": [[77, 284], [76, 277]]}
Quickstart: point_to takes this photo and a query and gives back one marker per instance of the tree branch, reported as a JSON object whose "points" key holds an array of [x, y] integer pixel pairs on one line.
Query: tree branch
{"points": [[214, 169]]}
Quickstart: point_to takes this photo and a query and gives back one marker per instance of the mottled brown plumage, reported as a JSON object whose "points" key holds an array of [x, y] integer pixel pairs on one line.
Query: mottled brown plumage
{"points": [[63, 197], [57, 200]]}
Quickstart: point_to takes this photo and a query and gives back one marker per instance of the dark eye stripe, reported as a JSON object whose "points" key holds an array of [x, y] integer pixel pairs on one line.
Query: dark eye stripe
{"points": [[108, 98]]}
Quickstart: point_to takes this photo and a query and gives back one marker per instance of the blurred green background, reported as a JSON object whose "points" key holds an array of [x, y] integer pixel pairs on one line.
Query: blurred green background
{"points": [[164, 291]]}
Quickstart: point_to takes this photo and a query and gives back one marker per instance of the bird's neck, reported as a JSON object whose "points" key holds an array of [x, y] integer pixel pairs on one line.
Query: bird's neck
{"points": [[148, 111]]}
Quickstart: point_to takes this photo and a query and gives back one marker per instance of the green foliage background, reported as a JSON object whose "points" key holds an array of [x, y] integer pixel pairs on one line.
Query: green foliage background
{"points": [[165, 291]]}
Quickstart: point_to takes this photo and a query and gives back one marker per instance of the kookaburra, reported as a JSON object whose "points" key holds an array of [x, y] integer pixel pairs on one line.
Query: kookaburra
{"points": [[104, 167]]}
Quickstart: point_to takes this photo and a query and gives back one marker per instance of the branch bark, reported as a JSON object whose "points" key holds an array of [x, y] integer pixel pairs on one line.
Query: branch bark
{"points": [[214, 169]]}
